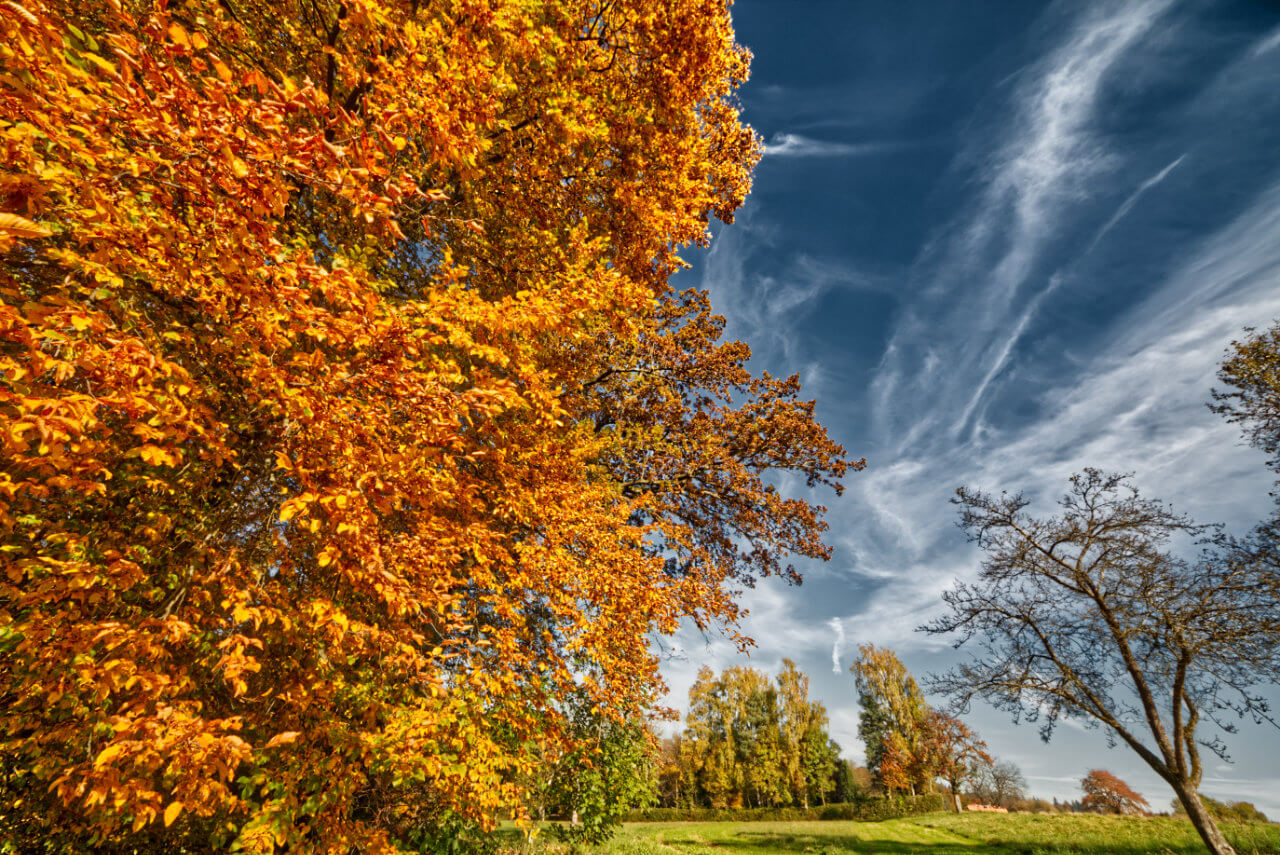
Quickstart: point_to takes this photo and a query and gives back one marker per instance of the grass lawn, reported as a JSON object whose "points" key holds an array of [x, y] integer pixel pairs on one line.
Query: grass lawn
{"points": [[934, 834]]}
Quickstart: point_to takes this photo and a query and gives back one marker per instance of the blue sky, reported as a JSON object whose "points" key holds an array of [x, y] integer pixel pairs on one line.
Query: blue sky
{"points": [[1000, 242]]}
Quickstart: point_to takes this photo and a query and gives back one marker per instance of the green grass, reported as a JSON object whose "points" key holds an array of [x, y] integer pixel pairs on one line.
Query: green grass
{"points": [[933, 834], [1087, 833]]}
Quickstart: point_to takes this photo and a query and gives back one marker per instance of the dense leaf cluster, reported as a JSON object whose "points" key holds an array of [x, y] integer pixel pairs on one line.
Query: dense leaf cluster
{"points": [[349, 422]]}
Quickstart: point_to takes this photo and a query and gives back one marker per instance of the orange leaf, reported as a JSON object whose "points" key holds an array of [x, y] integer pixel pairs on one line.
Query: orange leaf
{"points": [[17, 226], [179, 35], [283, 738]]}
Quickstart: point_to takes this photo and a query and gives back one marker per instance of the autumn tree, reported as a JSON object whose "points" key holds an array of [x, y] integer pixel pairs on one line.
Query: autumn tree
{"points": [[1091, 614], [807, 754], [952, 750], [891, 705], [350, 421], [1250, 396], [1106, 793], [751, 742], [671, 790]]}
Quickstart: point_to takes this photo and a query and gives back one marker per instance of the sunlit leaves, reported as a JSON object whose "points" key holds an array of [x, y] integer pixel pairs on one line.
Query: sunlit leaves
{"points": [[309, 513]]}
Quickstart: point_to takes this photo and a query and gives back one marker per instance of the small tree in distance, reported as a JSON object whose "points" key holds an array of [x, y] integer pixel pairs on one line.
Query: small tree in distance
{"points": [[997, 782], [953, 750], [1089, 615], [1106, 793]]}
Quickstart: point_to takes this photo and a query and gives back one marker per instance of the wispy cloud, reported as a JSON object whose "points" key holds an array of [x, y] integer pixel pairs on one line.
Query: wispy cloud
{"points": [[979, 273], [768, 309], [1266, 44], [795, 145], [1128, 204], [837, 646]]}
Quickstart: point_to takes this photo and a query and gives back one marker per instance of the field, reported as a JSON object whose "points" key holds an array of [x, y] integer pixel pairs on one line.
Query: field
{"points": [[934, 834]]}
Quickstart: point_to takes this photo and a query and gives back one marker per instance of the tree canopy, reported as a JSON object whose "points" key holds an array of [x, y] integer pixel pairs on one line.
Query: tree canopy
{"points": [[1105, 792], [349, 417]]}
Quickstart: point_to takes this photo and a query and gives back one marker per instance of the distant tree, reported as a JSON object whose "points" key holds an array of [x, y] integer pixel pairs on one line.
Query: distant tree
{"points": [[806, 757], [750, 741], [843, 788], [891, 703], [952, 750], [821, 756], [1088, 614], [1246, 812], [862, 778], [670, 781], [1105, 793], [997, 782], [1037, 805]]}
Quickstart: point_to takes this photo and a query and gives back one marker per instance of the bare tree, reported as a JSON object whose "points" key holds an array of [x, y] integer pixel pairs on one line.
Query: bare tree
{"points": [[999, 782], [1088, 614]]}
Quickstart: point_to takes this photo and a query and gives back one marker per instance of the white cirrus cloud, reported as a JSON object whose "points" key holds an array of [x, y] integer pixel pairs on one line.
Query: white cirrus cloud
{"points": [[796, 145]]}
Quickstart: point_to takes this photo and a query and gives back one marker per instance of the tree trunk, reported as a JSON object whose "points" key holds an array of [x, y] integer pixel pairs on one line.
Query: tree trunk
{"points": [[1203, 822]]}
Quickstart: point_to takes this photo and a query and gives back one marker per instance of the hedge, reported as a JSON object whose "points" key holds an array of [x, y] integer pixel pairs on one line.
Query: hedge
{"points": [[867, 810]]}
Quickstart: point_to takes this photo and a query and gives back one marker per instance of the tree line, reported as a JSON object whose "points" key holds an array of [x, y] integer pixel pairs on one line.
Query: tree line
{"points": [[752, 741], [749, 741]]}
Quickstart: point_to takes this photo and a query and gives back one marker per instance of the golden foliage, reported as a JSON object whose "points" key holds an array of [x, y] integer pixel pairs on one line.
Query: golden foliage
{"points": [[342, 430]]}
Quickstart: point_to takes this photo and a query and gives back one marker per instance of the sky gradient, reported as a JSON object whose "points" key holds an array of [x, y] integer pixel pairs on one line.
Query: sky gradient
{"points": [[1000, 242]]}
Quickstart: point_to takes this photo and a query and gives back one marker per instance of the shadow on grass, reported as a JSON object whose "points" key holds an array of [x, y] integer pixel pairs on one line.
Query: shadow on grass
{"points": [[761, 842], [823, 844]]}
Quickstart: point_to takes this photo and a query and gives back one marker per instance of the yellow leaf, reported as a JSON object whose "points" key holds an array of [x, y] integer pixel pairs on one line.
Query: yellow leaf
{"points": [[282, 738], [237, 165], [179, 35], [12, 224], [108, 754], [100, 62], [198, 41], [171, 813]]}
